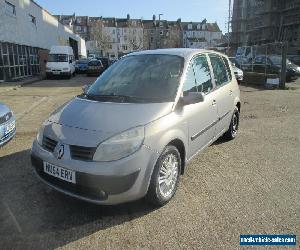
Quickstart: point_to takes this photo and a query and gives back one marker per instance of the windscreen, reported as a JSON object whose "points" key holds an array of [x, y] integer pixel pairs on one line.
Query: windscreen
{"points": [[151, 77], [57, 58]]}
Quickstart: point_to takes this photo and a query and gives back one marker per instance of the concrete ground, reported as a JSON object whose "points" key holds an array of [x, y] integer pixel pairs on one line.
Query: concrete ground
{"points": [[246, 186]]}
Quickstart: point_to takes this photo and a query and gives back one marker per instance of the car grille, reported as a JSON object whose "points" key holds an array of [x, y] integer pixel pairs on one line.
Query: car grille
{"points": [[77, 152], [5, 117], [82, 153], [49, 144]]}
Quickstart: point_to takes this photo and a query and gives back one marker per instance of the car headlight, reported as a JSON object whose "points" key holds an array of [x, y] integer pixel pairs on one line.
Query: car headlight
{"points": [[40, 135], [121, 145]]}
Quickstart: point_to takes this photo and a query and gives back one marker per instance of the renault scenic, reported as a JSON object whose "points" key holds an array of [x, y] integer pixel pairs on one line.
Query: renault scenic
{"points": [[132, 132]]}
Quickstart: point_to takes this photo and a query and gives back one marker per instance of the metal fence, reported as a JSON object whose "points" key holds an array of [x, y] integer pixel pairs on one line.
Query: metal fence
{"points": [[266, 61]]}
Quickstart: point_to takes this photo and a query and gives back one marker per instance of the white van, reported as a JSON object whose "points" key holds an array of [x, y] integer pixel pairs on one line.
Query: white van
{"points": [[60, 62]]}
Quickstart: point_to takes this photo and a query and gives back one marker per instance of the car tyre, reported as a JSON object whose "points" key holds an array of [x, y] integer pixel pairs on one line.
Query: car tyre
{"points": [[165, 177], [231, 133]]}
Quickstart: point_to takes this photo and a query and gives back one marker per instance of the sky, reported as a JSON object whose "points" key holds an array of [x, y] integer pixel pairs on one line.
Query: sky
{"points": [[187, 10]]}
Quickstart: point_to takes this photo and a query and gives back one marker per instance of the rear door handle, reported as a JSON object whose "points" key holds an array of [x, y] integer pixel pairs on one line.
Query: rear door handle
{"points": [[214, 102]]}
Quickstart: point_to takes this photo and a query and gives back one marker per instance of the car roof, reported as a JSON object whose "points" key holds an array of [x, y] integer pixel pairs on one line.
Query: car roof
{"points": [[183, 52]]}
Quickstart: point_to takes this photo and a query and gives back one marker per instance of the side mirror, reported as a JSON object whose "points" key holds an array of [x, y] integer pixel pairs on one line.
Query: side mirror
{"points": [[193, 97], [85, 88]]}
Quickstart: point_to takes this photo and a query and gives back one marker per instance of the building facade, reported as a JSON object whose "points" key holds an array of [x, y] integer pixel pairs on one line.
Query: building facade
{"points": [[114, 37], [27, 32], [266, 21]]}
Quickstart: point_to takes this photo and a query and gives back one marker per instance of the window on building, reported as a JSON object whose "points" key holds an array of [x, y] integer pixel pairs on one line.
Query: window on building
{"points": [[125, 38], [151, 39], [124, 47], [10, 8], [219, 69], [78, 28], [32, 19], [190, 26], [114, 31]]}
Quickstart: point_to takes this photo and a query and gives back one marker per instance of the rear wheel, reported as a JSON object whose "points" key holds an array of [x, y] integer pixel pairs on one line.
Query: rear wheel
{"points": [[231, 133], [165, 177]]}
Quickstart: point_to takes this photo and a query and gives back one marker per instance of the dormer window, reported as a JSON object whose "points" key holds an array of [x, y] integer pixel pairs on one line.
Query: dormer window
{"points": [[190, 26]]}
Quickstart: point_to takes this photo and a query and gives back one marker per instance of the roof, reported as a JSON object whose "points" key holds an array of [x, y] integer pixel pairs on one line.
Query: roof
{"points": [[212, 27], [186, 53]]}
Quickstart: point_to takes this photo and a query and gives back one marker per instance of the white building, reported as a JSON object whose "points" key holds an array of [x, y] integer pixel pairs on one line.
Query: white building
{"points": [[201, 35], [27, 32], [123, 36]]}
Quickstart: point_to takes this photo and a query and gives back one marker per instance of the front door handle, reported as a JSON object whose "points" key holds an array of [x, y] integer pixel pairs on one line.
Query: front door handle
{"points": [[230, 92], [214, 102]]}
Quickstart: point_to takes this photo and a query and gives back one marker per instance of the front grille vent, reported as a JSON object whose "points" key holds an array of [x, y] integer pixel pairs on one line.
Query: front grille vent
{"points": [[82, 153], [49, 144]]}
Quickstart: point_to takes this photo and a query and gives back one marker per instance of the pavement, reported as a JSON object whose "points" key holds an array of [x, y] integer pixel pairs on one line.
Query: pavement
{"points": [[246, 186]]}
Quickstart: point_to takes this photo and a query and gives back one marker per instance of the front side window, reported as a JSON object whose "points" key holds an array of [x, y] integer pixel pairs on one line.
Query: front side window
{"points": [[146, 78], [219, 69], [58, 58], [190, 81], [202, 73]]}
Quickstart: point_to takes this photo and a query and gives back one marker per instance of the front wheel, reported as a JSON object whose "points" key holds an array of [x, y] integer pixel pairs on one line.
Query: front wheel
{"points": [[231, 133], [165, 177]]}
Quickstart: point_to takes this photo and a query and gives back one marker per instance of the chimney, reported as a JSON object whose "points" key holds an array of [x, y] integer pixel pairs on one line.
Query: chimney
{"points": [[128, 17]]}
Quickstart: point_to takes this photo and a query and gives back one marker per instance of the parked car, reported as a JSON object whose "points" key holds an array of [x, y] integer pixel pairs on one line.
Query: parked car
{"points": [[239, 74], [105, 62], [61, 62], [295, 59], [132, 133], [95, 68], [272, 64], [7, 124], [81, 66]]}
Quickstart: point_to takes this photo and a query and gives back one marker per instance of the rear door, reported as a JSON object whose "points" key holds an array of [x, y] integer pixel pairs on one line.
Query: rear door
{"points": [[201, 116], [223, 93]]}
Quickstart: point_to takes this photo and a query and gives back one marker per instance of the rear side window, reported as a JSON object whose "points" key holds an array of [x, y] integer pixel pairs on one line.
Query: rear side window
{"points": [[202, 74], [227, 68], [190, 82], [219, 69]]}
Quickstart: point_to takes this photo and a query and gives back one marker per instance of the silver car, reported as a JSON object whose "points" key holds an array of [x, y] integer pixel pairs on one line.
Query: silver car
{"points": [[7, 124], [131, 133]]}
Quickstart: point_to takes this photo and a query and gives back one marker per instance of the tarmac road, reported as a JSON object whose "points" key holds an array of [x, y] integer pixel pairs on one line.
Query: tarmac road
{"points": [[246, 186]]}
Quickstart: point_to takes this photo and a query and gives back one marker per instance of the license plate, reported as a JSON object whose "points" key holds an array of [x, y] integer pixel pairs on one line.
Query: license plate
{"points": [[56, 72], [9, 128], [59, 172]]}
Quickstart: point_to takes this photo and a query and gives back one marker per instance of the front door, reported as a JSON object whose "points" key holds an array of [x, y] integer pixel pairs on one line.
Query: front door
{"points": [[201, 116]]}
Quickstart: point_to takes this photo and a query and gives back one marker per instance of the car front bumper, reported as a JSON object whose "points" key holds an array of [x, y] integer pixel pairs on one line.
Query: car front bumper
{"points": [[6, 138], [104, 183]]}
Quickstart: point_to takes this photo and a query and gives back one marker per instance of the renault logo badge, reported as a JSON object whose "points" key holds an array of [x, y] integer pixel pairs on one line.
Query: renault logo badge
{"points": [[60, 151]]}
